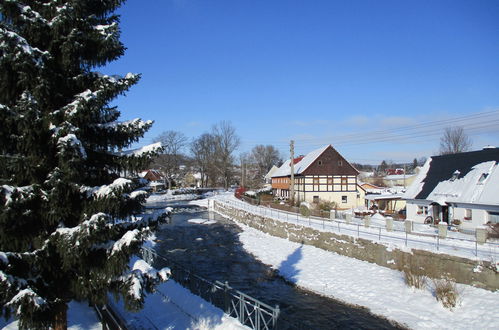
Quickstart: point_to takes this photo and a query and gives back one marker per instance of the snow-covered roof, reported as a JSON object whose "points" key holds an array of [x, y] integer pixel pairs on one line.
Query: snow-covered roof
{"points": [[395, 177], [271, 172], [470, 177], [302, 165]]}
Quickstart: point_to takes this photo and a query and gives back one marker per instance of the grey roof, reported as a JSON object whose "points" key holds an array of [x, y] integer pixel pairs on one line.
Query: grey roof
{"points": [[468, 177]]}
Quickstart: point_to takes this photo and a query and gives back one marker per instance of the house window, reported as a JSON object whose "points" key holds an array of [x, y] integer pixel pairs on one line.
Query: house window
{"points": [[330, 181], [340, 163], [319, 162], [467, 214], [344, 183], [316, 184], [423, 210], [494, 217], [316, 199], [344, 199], [482, 178]]}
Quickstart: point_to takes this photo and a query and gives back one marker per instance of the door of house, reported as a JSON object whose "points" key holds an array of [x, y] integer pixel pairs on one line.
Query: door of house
{"points": [[445, 213]]}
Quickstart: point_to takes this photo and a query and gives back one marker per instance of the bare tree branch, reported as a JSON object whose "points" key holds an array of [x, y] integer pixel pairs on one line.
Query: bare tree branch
{"points": [[454, 140]]}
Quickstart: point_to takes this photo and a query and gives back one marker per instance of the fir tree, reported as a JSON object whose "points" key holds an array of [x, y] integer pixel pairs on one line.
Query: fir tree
{"points": [[68, 221]]}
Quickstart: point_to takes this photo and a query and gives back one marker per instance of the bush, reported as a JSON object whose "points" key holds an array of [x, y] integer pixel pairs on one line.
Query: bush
{"points": [[446, 292], [492, 230], [327, 206], [304, 210], [414, 280], [456, 222]]}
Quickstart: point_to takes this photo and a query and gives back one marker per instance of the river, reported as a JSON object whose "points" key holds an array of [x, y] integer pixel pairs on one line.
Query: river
{"points": [[215, 253]]}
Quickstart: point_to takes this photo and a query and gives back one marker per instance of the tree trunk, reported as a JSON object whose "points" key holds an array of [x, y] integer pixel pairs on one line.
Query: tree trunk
{"points": [[60, 319]]}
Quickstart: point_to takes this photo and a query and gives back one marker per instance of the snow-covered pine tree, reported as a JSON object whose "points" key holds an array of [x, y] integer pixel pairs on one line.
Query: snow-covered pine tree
{"points": [[68, 223]]}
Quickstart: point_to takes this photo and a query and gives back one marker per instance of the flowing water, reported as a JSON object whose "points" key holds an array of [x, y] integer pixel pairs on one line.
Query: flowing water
{"points": [[215, 253]]}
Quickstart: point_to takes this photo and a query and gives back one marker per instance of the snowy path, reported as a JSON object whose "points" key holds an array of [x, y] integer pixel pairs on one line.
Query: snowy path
{"points": [[380, 289]]}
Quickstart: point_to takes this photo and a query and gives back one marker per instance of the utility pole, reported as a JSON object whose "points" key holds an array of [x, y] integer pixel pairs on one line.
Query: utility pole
{"points": [[242, 173], [404, 174], [292, 183]]}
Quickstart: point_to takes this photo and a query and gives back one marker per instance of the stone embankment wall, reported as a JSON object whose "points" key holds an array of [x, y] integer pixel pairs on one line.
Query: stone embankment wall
{"points": [[433, 265]]}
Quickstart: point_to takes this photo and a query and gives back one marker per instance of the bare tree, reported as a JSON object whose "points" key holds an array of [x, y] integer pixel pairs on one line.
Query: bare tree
{"points": [[454, 140], [173, 143], [226, 142], [263, 158], [203, 151]]}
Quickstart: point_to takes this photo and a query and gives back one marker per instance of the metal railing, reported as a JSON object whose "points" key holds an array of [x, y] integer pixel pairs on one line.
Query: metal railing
{"points": [[248, 310], [488, 250]]}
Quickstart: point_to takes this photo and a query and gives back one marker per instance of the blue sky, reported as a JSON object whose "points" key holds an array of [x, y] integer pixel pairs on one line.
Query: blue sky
{"points": [[341, 72]]}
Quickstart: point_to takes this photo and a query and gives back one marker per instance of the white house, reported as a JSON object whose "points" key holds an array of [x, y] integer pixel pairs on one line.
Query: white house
{"points": [[463, 186]]}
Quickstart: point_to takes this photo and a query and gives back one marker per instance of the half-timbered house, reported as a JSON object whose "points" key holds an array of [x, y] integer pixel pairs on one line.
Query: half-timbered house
{"points": [[321, 175]]}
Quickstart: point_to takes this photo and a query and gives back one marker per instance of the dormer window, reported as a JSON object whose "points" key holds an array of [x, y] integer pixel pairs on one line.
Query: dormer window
{"points": [[483, 177], [455, 175]]}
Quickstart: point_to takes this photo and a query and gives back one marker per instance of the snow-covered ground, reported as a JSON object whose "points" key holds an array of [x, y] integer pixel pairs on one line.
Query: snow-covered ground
{"points": [[174, 307], [80, 317], [380, 289], [456, 244]]}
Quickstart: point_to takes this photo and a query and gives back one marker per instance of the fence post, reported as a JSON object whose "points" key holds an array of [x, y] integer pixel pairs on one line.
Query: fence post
{"points": [[226, 298], [275, 316]]}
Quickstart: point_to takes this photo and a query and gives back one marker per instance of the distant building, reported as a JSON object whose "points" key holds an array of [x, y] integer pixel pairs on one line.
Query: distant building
{"points": [[463, 186], [321, 175]]}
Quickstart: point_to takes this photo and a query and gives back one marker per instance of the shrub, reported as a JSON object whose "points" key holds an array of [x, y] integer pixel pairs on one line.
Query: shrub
{"points": [[456, 222], [417, 281], [446, 292], [304, 210], [327, 206], [492, 230]]}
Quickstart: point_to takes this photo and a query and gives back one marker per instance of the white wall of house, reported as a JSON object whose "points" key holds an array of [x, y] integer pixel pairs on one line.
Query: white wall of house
{"points": [[470, 217], [344, 200], [418, 212]]}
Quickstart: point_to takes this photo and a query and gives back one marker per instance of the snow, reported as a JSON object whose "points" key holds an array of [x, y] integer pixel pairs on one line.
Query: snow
{"points": [[27, 295], [380, 289], [169, 196], [202, 221], [424, 237], [155, 147], [3, 258], [127, 239], [174, 307], [467, 189], [22, 46], [80, 317], [138, 193], [74, 142], [417, 185], [117, 184]]}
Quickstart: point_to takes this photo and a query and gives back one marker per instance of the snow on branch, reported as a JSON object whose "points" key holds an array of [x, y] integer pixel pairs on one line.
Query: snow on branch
{"points": [[21, 47], [143, 277], [72, 108], [150, 148], [72, 141], [132, 236], [21, 193], [26, 300], [108, 30], [117, 186]]}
